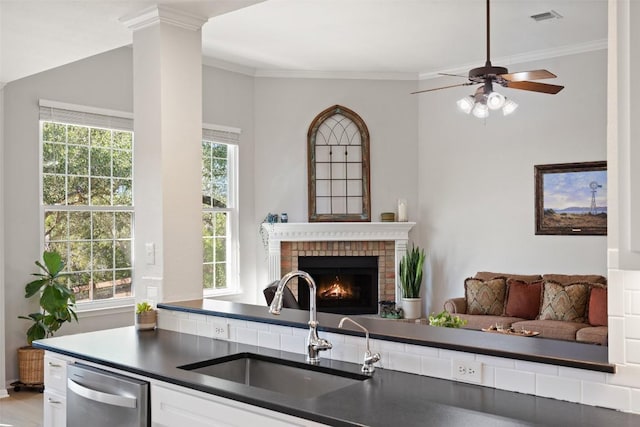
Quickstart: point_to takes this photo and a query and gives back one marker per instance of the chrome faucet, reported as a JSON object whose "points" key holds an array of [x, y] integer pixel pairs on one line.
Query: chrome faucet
{"points": [[315, 344], [369, 359]]}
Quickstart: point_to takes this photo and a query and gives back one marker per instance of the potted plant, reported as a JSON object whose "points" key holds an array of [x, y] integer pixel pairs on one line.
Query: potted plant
{"points": [[146, 316], [411, 266], [57, 306], [446, 320]]}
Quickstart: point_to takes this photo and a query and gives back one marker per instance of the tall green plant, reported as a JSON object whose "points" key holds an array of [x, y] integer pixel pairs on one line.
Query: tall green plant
{"points": [[57, 301], [411, 267]]}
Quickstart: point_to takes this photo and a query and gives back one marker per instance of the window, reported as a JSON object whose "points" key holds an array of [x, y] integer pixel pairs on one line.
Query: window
{"points": [[219, 211], [87, 199]]}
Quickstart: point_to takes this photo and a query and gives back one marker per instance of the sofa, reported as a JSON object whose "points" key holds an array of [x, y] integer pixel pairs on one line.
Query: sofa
{"points": [[558, 306]]}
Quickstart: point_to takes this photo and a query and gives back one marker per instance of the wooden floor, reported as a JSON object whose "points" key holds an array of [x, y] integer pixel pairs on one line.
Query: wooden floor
{"points": [[21, 409]]}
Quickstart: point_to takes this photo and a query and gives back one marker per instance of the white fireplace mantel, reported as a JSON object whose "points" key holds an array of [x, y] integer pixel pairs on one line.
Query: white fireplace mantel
{"points": [[335, 231]]}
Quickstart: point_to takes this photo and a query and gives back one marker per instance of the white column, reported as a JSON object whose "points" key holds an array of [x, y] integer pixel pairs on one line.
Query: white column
{"points": [[167, 102], [401, 250], [3, 380]]}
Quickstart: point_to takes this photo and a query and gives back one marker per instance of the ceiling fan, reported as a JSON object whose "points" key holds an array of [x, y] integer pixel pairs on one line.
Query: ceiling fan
{"points": [[485, 98]]}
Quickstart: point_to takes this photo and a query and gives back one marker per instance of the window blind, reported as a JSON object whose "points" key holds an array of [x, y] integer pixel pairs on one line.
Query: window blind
{"points": [[85, 116]]}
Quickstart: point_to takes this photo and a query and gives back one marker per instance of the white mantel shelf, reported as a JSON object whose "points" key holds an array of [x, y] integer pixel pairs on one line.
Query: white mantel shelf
{"points": [[397, 232], [337, 231]]}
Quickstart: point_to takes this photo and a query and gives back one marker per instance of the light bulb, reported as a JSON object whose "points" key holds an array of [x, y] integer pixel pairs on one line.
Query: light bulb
{"points": [[495, 100], [465, 104], [509, 107], [480, 110]]}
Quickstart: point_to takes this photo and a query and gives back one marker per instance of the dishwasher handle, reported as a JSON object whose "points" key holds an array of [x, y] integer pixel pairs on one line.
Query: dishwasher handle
{"points": [[98, 396]]}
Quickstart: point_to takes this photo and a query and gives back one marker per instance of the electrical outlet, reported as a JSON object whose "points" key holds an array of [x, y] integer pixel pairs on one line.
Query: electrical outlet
{"points": [[467, 370], [221, 331]]}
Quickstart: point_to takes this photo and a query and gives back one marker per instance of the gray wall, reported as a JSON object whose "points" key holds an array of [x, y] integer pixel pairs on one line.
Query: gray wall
{"points": [[477, 177]]}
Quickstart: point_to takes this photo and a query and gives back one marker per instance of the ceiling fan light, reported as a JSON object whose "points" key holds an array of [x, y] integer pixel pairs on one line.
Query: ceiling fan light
{"points": [[495, 100], [480, 110], [509, 107], [465, 104]]}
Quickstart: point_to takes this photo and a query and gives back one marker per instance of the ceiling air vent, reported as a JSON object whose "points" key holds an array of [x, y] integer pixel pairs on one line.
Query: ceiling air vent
{"points": [[552, 14]]}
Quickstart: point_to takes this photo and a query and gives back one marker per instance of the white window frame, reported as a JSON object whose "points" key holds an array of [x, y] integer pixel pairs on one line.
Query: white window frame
{"points": [[231, 137], [53, 111]]}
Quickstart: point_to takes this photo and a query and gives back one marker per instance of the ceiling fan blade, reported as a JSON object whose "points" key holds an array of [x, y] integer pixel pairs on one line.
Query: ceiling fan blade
{"points": [[535, 87], [528, 75], [443, 87]]}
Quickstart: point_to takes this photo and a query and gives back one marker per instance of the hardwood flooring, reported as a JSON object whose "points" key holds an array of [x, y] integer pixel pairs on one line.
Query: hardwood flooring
{"points": [[21, 409]]}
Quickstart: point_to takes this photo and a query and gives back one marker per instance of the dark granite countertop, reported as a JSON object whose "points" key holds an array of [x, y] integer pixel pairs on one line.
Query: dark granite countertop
{"points": [[532, 349], [387, 398]]}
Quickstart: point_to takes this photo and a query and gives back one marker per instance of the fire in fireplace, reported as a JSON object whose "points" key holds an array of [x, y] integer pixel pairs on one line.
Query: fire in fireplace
{"points": [[344, 284]]}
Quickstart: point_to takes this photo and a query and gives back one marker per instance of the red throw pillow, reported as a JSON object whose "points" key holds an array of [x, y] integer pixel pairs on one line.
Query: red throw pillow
{"points": [[523, 299], [598, 307]]}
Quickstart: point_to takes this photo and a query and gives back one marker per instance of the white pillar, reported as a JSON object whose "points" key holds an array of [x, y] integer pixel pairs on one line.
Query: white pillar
{"points": [[3, 379], [167, 102]]}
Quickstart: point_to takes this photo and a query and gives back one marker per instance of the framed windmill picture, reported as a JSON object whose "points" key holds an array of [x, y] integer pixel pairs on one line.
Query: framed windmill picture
{"points": [[571, 198]]}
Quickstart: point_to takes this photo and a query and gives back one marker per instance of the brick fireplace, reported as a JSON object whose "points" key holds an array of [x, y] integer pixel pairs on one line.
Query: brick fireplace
{"points": [[385, 240]]}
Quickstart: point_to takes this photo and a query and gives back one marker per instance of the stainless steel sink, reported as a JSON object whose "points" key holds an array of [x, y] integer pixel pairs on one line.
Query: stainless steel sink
{"points": [[279, 375]]}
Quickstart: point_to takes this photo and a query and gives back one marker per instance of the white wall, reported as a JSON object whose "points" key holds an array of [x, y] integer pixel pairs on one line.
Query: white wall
{"points": [[477, 177], [284, 109]]}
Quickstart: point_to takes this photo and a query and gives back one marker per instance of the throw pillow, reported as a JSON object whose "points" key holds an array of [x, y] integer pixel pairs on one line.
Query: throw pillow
{"points": [[598, 306], [523, 299], [564, 302], [485, 297], [487, 275]]}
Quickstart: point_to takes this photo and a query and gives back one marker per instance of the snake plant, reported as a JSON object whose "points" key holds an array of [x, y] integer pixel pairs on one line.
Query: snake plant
{"points": [[411, 266]]}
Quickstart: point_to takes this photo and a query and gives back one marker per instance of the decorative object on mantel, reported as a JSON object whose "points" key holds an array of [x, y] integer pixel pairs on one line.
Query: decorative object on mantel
{"points": [[388, 310], [338, 167], [57, 306], [445, 319], [411, 267], [146, 316], [284, 217], [269, 220], [387, 217], [402, 210]]}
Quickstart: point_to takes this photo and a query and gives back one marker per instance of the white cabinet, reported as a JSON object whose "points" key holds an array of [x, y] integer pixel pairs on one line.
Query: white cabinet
{"points": [[55, 394], [173, 406], [55, 410]]}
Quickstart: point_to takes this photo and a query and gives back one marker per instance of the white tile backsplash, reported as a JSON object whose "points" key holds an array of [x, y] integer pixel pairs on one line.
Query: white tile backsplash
{"points": [[619, 391], [608, 396], [558, 388], [512, 380]]}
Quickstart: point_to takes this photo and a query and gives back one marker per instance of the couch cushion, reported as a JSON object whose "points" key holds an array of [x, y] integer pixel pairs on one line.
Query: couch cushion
{"points": [[564, 302], [566, 279], [593, 334], [523, 299], [556, 329], [487, 275], [598, 306], [477, 322], [485, 297]]}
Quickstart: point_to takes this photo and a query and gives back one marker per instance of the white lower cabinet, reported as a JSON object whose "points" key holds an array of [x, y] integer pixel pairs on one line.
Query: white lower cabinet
{"points": [[55, 393], [55, 410], [174, 406]]}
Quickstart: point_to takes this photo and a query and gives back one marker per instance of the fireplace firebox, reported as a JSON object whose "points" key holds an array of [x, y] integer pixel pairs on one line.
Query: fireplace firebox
{"points": [[344, 284]]}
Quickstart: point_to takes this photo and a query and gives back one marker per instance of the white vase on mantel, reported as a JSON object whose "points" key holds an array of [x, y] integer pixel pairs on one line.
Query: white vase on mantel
{"points": [[412, 308]]}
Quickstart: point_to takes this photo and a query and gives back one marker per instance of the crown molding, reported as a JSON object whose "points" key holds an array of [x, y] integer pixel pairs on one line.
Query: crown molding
{"points": [[525, 57], [228, 66], [161, 13], [2, 85], [344, 75]]}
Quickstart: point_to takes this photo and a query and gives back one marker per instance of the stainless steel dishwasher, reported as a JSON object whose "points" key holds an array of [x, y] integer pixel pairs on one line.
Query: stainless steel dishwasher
{"points": [[99, 398]]}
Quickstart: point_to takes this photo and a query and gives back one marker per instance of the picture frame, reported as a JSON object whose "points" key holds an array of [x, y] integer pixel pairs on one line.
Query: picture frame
{"points": [[571, 198]]}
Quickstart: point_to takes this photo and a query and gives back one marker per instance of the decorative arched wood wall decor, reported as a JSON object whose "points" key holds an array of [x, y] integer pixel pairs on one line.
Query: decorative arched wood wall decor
{"points": [[338, 167]]}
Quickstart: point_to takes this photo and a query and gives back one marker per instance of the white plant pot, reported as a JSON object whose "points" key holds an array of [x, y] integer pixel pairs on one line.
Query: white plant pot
{"points": [[412, 308]]}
